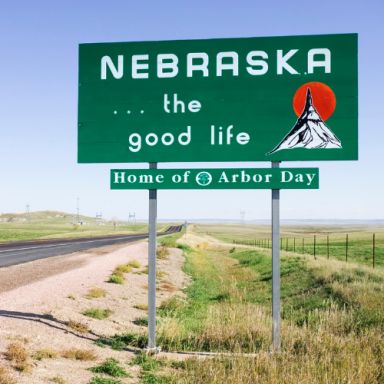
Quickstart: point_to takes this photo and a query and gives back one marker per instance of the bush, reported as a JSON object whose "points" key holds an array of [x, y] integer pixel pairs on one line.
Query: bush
{"points": [[97, 313], [115, 279], [110, 367], [124, 268], [162, 253], [79, 354], [77, 326], [142, 306], [95, 293], [134, 264], [44, 354], [143, 321]]}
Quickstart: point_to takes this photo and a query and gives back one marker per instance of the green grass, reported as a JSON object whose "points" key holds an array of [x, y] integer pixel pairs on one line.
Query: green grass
{"points": [[44, 225], [110, 367], [360, 241], [102, 380], [97, 313], [116, 279]]}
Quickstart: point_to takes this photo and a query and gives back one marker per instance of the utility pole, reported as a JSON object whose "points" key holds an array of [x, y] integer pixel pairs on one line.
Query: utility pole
{"points": [[78, 210], [27, 214], [242, 214]]}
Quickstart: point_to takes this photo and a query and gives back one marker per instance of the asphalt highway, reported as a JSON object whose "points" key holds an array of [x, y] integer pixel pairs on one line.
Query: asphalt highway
{"points": [[17, 252]]}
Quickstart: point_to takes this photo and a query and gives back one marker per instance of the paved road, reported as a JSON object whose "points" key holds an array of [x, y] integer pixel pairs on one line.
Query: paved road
{"points": [[18, 252]]}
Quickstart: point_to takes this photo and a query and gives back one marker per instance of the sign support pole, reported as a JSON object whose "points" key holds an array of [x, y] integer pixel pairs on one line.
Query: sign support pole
{"points": [[276, 265], [152, 267]]}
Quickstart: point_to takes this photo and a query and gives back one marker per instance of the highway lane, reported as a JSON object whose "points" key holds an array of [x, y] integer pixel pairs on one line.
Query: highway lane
{"points": [[23, 252]]}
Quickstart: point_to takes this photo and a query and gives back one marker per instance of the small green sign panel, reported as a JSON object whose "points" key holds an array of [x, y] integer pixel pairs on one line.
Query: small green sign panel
{"points": [[246, 99], [229, 178]]}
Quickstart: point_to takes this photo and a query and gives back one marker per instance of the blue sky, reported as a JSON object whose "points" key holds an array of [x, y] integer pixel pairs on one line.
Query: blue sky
{"points": [[38, 105]]}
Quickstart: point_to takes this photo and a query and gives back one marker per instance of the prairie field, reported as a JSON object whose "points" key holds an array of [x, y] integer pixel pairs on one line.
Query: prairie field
{"points": [[332, 317], [41, 227]]}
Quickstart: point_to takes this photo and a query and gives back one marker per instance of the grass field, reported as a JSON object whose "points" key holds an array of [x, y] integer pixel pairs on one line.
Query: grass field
{"points": [[311, 240], [61, 227], [332, 319]]}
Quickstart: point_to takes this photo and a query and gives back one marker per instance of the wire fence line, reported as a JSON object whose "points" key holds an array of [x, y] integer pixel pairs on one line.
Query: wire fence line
{"points": [[365, 249]]}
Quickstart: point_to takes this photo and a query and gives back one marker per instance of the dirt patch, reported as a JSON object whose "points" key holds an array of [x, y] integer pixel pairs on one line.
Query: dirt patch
{"points": [[24, 274], [37, 314]]}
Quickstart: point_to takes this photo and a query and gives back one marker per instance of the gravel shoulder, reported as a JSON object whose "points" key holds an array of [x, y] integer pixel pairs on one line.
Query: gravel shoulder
{"points": [[57, 287]]}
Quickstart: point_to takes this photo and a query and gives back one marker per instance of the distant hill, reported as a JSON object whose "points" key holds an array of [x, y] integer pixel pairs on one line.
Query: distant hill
{"points": [[37, 215]]}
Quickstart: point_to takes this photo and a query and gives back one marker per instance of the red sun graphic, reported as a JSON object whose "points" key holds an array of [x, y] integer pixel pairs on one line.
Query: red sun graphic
{"points": [[323, 98]]}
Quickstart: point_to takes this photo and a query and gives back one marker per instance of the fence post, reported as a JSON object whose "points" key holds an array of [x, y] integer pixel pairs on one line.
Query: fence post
{"points": [[294, 244], [303, 245], [328, 247], [373, 249], [281, 243], [314, 246], [346, 248]]}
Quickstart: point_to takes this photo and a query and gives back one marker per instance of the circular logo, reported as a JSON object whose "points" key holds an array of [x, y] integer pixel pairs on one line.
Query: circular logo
{"points": [[203, 178], [324, 100]]}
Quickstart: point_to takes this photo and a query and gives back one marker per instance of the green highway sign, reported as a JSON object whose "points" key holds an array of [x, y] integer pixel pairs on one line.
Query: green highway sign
{"points": [[213, 178], [242, 99]]}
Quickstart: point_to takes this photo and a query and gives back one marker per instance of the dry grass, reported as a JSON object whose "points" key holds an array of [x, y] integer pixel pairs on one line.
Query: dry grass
{"points": [[45, 354], [18, 355], [124, 268], [145, 286], [79, 354], [162, 253], [142, 306], [117, 279], [166, 286], [78, 326], [5, 376], [134, 264], [95, 293], [57, 380]]}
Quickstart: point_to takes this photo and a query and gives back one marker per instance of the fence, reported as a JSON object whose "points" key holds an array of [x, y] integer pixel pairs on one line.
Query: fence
{"points": [[365, 249]]}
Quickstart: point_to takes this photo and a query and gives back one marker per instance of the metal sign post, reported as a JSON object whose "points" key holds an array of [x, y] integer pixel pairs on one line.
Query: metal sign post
{"points": [[185, 226], [275, 265], [152, 267]]}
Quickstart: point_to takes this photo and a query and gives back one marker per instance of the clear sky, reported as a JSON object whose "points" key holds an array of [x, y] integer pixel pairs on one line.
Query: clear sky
{"points": [[38, 104]]}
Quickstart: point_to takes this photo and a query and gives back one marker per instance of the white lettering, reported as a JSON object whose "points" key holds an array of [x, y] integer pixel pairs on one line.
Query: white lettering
{"points": [[171, 140], [282, 62], [132, 179], [299, 178], [161, 65], [136, 66], [310, 178], [261, 63], [166, 103], [136, 145], [155, 139], [283, 175], [229, 134], [234, 66], [257, 178], [194, 106], [326, 63], [212, 135], [186, 174], [224, 178], [145, 179], [176, 103], [158, 177], [244, 177], [197, 67], [117, 73], [242, 138], [267, 178], [187, 135], [234, 177], [122, 175], [176, 178]]}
